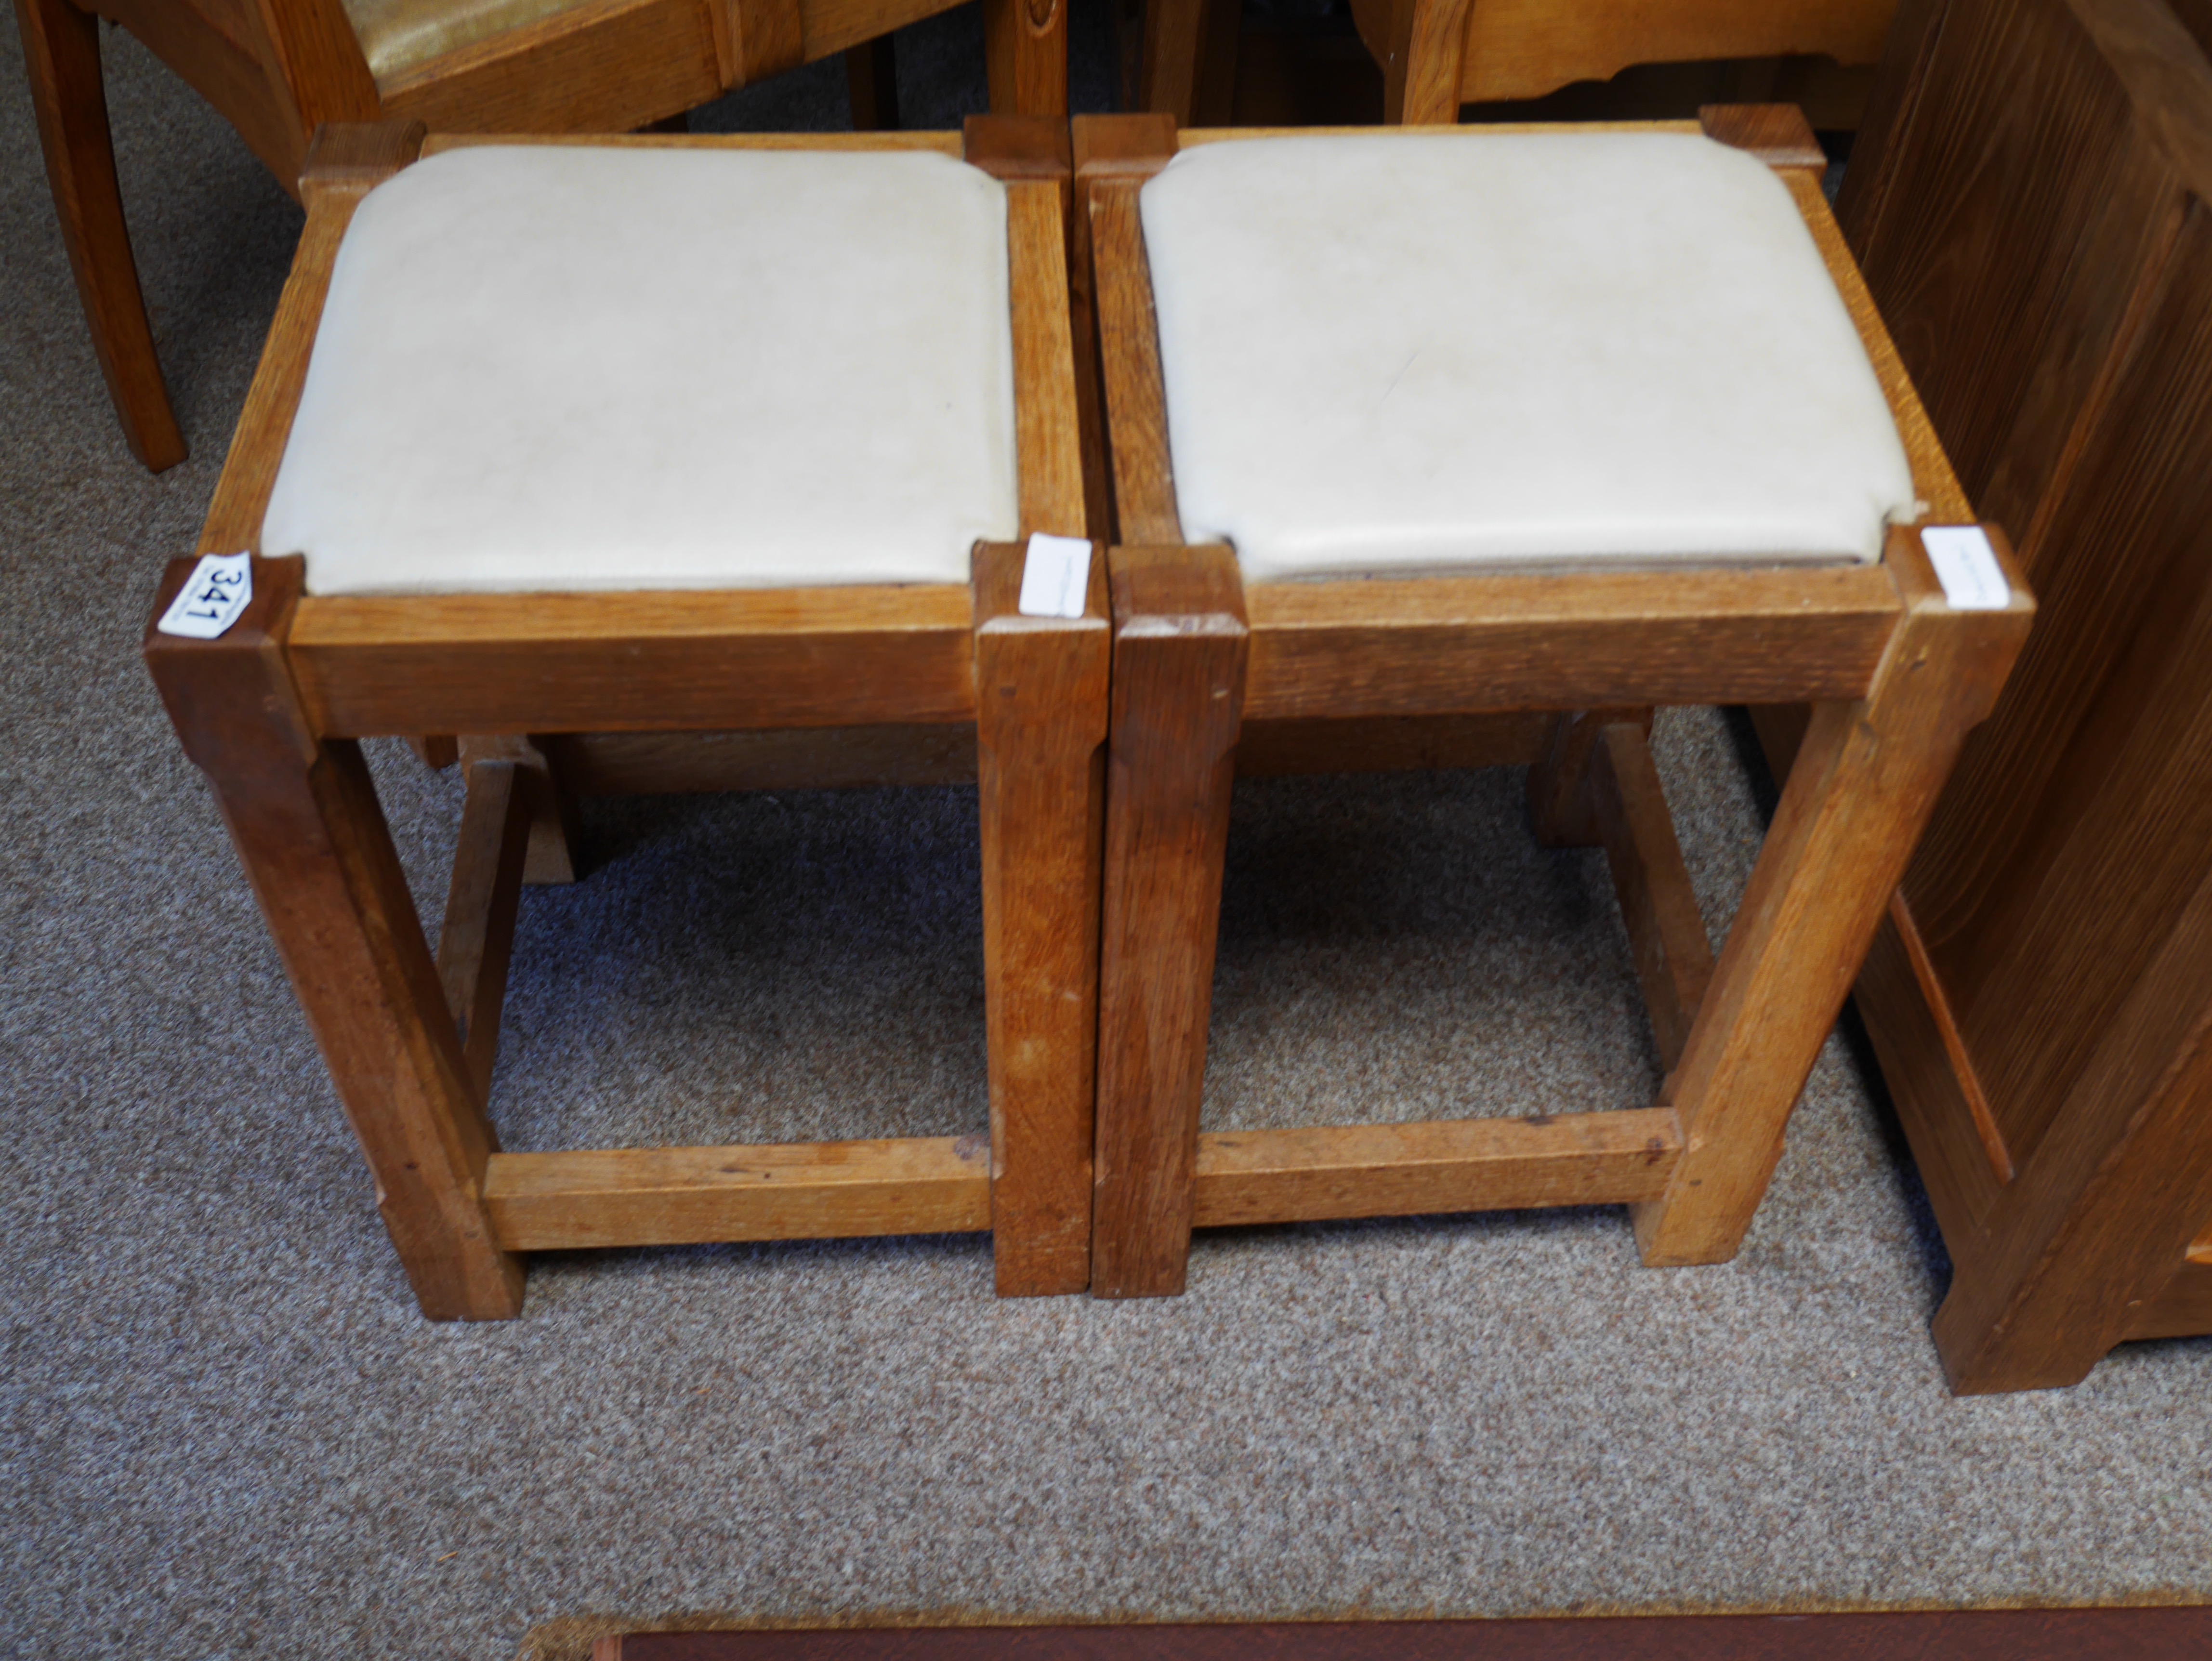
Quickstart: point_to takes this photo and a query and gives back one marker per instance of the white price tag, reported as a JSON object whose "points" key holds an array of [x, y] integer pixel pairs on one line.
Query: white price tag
{"points": [[1055, 576], [221, 586], [1967, 567]]}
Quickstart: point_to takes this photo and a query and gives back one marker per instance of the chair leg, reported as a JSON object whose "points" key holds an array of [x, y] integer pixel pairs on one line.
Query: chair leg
{"points": [[304, 817], [1041, 734], [872, 81], [556, 842], [61, 51], [1865, 781], [1025, 52], [1180, 647]]}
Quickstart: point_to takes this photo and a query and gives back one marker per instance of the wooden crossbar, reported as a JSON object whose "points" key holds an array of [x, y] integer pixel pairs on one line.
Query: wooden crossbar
{"points": [[935, 1185], [655, 661], [1437, 1165], [640, 1196]]}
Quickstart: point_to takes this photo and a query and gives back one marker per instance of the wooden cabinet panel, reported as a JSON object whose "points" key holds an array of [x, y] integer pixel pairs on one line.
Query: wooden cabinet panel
{"points": [[2030, 213]]}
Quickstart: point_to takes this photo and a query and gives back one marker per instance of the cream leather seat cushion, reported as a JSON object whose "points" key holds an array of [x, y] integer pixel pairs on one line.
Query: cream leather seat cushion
{"points": [[559, 368], [1462, 352], [398, 35]]}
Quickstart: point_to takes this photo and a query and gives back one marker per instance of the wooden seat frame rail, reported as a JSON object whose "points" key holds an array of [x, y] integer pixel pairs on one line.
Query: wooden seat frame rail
{"points": [[835, 685], [1554, 671]]}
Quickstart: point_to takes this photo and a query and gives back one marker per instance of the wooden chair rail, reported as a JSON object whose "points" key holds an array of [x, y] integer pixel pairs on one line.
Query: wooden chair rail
{"points": [[731, 659], [1437, 1165], [779, 1191], [1525, 641]]}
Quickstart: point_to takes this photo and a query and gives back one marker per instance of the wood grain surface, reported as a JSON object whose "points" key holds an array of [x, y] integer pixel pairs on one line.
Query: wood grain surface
{"points": [[777, 1191], [1439, 1165], [646, 661], [304, 818], [1178, 680], [1041, 719]]}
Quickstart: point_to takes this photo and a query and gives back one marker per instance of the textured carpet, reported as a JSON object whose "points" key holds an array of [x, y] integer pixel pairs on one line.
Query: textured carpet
{"points": [[224, 1432]]}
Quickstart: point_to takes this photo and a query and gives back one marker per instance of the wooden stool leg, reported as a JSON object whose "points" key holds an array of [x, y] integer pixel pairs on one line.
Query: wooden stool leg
{"points": [[1180, 646], [1558, 811], [556, 840], [1041, 735], [1025, 53], [1865, 781], [61, 51], [304, 817]]}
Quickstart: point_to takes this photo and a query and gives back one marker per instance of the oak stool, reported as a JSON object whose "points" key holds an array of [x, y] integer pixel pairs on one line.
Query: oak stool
{"points": [[660, 463], [1467, 447]]}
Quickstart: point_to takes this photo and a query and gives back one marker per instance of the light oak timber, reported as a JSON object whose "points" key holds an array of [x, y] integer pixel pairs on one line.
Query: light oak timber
{"points": [[1864, 781], [807, 759], [1102, 147], [767, 37], [1443, 1165], [1144, 513], [475, 942], [1041, 726], [1422, 63], [1178, 679], [1777, 134], [354, 157], [1533, 641], [1025, 55], [649, 661], [304, 818], [1558, 801], [833, 26], [555, 853], [644, 1197], [1048, 428]]}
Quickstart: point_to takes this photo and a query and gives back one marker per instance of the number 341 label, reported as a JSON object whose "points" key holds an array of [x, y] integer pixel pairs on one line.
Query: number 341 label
{"points": [[221, 586]]}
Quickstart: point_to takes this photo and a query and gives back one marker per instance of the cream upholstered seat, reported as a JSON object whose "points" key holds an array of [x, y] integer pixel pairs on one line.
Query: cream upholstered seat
{"points": [[1399, 354], [398, 35], [548, 367]]}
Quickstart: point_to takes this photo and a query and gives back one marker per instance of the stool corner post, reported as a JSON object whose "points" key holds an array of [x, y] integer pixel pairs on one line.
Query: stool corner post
{"points": [[1040, 716], [303, 816], [1859, 791], [1181, 648]]}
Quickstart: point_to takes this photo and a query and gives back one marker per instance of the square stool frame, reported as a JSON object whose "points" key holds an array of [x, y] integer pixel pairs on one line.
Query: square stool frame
{"points": [[1213, 677], [634, 691]]}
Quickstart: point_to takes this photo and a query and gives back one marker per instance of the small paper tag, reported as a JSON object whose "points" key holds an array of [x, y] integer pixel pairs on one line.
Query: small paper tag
{"points": [[221, 586], [1967, 567], [1055, 576]]}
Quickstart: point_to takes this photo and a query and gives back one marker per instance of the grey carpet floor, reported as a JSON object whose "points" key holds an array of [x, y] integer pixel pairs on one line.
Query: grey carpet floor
{"points": [[224, 1432]]}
